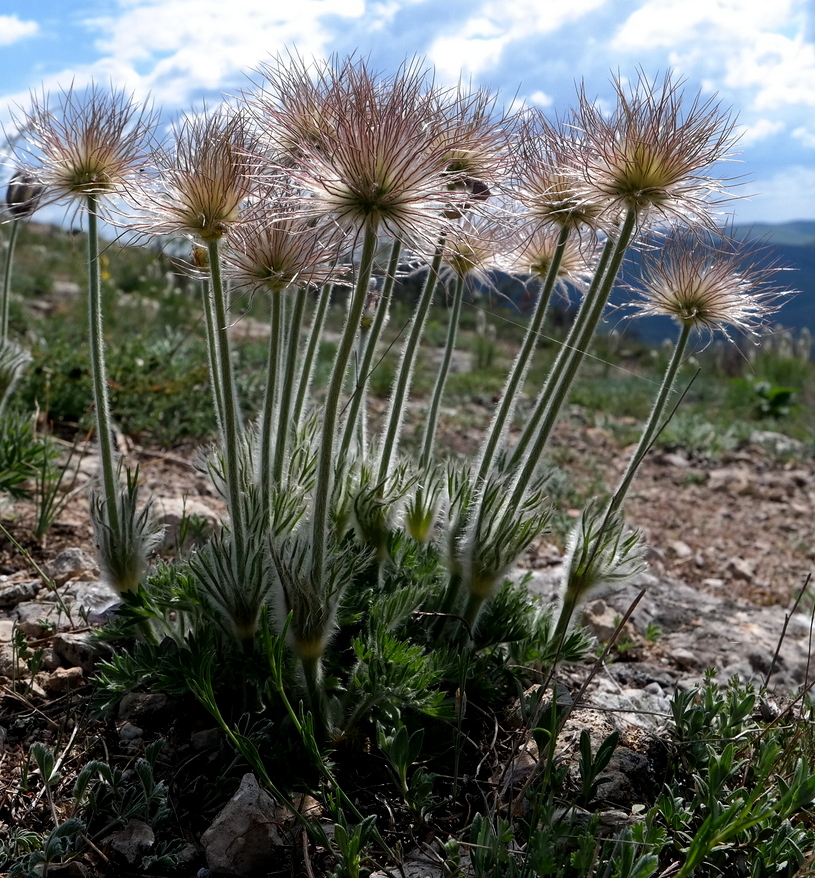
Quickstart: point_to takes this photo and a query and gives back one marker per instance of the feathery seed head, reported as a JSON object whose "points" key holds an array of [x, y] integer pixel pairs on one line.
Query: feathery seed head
{"points": [[385, 163], [650, 155], [549, 177], [297, 104], [92, 142], [535, 250], [204, 179], [479, 154], [275, 247], [473, 246], [709, 283]]}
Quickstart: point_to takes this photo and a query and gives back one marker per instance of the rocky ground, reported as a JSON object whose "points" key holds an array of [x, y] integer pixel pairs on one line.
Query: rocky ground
{"points": [[734, 534], [731, 546]]}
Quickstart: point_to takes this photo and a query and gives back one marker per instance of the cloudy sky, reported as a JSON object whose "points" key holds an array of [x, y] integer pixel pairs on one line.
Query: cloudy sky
{"points": [[757, 55]]}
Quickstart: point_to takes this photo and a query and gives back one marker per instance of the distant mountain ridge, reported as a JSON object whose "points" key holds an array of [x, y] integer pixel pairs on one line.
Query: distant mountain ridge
{"points": [[799, 233], [790, 245], [793, 245]]}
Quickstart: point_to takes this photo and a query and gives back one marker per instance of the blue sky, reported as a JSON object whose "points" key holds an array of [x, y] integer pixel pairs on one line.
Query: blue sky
{"points": [[757, 55]]}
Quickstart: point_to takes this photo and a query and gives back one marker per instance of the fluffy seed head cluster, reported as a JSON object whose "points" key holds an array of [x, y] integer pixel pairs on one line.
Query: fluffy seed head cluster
{"points": [[473, 246], [92, 142], [549, 174], [709, 284], [534, 252], [203, 179], [295, 105], [651, 153], [384, 160], [274, 247]]}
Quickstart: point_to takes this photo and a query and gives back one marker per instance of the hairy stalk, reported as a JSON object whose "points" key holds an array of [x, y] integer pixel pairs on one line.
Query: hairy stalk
{"points": [[441, 378], [4, 301], [475, 601], [408, 361], [355, 405], [231, 423], [100, 386], [567, 350], [312, 673], [270, 400], [212, 355], [360, 422], [325, 460], [565, 368], [653, 425], [310, 357], [284, 410], [520, 367]]}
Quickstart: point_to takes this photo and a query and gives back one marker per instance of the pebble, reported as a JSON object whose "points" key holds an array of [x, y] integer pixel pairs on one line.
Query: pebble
{"points": [[17, 592], [70, 564], [129, 732]]}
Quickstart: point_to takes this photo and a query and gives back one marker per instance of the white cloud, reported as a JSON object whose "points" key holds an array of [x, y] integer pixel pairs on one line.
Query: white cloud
{"points": [[758, 130], [479, 41], [751, 47], [540, 99], [176, 48], [13, 29], [781, 71], [787, 194], [805, 136], [667, 23]]}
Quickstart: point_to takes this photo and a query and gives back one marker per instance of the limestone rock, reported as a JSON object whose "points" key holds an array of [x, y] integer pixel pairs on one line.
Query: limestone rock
{"points": [[10, 663], [242, 839], [132, 842], [778, 442], [129, 732], [70, 564], [91, 597], [602, 621], [76, 650], [65, 679], [16, 592], [35, 618], [171, 513]]}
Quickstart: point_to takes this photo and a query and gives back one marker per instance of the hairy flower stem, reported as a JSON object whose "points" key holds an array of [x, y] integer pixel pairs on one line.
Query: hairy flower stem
{"points": [[230, 426], [325, 460], [653, 425], [566, 352], [212, 355], [570, 601], [565, 367], [441, 378], [310, 357], [520, 367], [408, 361], [471, 612], [355, 405], [292, 349], [4, 301], [315, 691], [360, 422], [270, 400], [100, 384]]}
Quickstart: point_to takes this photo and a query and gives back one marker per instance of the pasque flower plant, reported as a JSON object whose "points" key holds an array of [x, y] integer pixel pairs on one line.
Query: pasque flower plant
{"points": [[331, 177], [88, 148]]}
